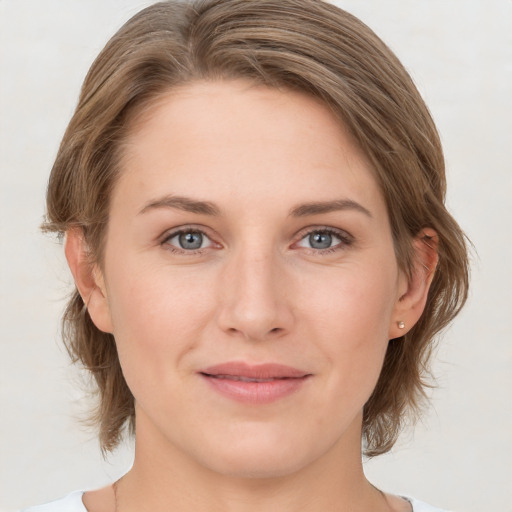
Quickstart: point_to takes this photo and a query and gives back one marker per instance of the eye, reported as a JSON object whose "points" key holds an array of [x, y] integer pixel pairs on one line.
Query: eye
{"points": [[188, 240], [319, 240], [323, 239]]}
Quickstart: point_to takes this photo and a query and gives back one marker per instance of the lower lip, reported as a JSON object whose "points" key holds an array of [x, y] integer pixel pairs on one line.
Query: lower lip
{"points": [[256, 392]]}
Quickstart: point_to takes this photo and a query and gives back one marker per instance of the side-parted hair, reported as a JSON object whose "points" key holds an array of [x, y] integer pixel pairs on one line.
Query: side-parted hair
{"points": [[302, 45]]}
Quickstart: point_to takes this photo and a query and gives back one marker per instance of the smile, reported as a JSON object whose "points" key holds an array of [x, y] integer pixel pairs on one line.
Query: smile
{"points": [[242, 379], [254, 384]]}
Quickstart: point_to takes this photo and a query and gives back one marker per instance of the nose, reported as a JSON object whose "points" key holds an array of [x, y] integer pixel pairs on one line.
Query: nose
{"points": [[255, 296]]}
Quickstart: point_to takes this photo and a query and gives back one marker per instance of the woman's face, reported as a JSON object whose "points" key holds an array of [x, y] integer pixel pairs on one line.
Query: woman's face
{"points": [[250, 279]]}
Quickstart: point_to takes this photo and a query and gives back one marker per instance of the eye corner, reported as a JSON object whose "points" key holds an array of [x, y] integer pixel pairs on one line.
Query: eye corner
{"points": [[188, 240], [327, 239]]}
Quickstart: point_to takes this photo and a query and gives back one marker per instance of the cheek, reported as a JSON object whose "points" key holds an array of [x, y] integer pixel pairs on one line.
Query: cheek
{"points": [[350, 322], [354, 304], [156, 314]]}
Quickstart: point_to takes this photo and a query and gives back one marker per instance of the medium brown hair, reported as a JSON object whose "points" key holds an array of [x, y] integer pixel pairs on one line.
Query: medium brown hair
{"points": [[304, 45]]}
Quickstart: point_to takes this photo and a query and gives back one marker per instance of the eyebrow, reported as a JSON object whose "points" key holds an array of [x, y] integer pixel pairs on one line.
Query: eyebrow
{"points": [[182, 203], [318, 208], [207, 208]]}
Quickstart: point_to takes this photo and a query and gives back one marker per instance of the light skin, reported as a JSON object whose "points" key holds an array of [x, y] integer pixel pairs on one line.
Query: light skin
{"points": [[246, 226]]}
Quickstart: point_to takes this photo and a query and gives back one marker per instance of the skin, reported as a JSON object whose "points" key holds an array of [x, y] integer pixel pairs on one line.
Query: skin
{"points": [[256, 291]]}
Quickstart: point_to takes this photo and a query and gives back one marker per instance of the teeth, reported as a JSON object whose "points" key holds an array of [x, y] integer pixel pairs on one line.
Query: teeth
{"points": [[242, 379]]}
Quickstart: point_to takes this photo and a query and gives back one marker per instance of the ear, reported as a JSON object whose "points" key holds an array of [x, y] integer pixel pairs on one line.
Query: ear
{"points": [[414, 290], [88, 279]]}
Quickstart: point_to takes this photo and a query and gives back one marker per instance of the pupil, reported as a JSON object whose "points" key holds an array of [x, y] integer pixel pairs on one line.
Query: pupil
{"points": [[320, 240], [191, 240]]}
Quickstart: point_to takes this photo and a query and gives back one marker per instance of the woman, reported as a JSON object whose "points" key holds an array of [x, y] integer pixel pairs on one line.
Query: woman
{"points": [[251, 193]]}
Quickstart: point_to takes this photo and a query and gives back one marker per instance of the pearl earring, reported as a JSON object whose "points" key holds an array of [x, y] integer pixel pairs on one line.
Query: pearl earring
{"points": [[401, 325]]}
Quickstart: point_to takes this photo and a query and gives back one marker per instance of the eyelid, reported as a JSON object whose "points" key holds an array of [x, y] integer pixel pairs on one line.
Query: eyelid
{"points": [[173, 232], [346, 238]]}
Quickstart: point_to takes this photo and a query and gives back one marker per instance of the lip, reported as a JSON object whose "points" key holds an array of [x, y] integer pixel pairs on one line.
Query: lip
{"points": [[254, 384]]}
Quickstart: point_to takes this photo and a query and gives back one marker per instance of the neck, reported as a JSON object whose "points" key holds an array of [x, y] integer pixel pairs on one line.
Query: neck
{"points": [[164, 478]]}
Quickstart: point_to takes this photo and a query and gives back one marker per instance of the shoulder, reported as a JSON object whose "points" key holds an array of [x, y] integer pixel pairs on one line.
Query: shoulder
{"points": [[71, 503], [419, 506]]}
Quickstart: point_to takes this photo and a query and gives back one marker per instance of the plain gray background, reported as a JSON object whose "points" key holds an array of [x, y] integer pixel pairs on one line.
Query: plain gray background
{"points": [[460, 54]]}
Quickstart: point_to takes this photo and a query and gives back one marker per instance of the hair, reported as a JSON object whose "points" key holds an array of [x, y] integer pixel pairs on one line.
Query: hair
{"points": [[301, 45]]}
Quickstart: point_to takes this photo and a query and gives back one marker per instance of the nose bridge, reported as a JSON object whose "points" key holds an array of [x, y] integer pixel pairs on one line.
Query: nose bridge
{"points": [[253, 299]]}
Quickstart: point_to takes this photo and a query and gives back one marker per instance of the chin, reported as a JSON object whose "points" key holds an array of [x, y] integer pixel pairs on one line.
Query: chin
{"points": [[258, 467], [259, 458]]}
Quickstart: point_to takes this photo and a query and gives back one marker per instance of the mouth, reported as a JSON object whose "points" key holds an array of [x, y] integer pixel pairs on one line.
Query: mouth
{"points": [[254, 384], [240, 378]]}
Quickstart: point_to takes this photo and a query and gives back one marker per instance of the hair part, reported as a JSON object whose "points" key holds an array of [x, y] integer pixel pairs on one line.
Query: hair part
{"points": [[303, 45]]}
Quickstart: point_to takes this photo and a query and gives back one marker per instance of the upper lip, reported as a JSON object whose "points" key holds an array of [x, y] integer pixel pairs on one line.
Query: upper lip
{"points": [[254, 371]]}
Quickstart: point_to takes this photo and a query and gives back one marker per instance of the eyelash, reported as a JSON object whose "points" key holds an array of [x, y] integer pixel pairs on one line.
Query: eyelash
{"points": [[346, 240], [182, 231]]}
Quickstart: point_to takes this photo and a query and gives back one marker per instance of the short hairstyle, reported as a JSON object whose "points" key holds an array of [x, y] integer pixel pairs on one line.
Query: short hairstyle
{"points": [[302, 45]]}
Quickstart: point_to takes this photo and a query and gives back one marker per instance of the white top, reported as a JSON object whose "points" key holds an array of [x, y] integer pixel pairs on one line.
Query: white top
{"points": [[73, 503]]}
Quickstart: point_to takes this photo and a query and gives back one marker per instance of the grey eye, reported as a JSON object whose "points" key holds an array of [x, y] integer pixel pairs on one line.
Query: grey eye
{"points": [[320, 240], [190, 240]]}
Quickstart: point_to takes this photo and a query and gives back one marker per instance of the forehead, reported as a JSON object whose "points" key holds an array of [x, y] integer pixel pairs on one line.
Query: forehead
{"points": [[243, 137]]}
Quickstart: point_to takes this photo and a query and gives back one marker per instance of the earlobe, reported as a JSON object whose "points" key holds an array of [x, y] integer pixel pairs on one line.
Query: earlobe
{"points": [[88, 279], [411, 302]]}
